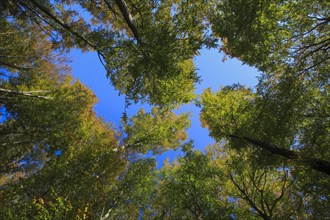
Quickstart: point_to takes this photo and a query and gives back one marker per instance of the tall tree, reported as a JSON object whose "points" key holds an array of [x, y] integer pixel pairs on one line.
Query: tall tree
{"points": [[39, 101], [146, 47], [268, 123]]}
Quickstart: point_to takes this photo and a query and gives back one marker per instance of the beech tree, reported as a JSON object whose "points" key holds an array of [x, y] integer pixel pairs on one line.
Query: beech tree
{"points": [[241, 117], [129, 39], [40, 102], [292, 95]]}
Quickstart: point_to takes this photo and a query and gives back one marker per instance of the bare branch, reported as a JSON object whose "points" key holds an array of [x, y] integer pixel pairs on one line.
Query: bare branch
{"points": [[128, 18], [26, 93]]}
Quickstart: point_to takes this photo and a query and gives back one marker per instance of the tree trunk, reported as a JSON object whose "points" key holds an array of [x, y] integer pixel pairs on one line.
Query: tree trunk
{"points": [[314, 163]]}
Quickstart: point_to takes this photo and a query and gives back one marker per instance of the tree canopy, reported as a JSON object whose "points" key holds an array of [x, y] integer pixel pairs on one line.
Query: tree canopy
{"points": [[60, 160]]}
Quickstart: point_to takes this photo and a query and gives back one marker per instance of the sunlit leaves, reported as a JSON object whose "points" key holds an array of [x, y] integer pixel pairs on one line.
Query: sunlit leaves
{"points": [[190, 189], [157, 131], [227, 111]]}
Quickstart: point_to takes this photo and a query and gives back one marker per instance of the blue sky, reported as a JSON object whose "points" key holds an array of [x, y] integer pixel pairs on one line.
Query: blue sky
{"points": [[213, 71]]}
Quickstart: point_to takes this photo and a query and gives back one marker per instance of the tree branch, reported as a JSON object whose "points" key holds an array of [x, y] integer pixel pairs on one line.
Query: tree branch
{"points": [[26, 93], [67, 27], [248, 199], [128, 18], [12, 65]]}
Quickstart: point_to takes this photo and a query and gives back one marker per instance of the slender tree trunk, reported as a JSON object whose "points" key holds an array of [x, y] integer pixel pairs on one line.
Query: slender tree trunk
{"points": [[314, 163]]}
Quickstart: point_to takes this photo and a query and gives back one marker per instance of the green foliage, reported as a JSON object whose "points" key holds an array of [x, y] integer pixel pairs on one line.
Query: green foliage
{"points": [[257, 191], [59, 160], [283, 122], [273, 34], [133, 192], [227, 110], [157, 131], [42, 106], [58, 209], [146, 47], [189, 189]]}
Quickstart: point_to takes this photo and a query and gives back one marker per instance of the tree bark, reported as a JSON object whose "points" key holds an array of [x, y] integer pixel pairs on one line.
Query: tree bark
{"points": [[314, 163], [128, 18]]}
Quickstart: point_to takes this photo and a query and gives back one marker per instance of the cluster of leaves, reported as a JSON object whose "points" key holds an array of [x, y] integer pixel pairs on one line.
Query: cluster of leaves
{"points": [[275, 33], [157, 131]]}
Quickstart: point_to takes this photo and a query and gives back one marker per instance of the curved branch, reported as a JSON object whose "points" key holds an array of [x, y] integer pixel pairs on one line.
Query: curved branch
{"points": [[67, 27]]}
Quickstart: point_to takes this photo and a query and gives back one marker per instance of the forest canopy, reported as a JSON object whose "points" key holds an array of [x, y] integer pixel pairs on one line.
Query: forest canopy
{"points": [[60, 160]]}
